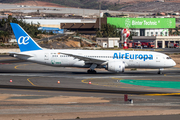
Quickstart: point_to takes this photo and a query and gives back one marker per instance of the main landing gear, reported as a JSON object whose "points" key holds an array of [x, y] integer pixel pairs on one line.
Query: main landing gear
{"points": [[160, 72], [91, 70]]}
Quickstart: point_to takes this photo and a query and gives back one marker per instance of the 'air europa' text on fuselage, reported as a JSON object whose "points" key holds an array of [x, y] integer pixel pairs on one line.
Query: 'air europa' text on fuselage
{"points": [[133, 56]]}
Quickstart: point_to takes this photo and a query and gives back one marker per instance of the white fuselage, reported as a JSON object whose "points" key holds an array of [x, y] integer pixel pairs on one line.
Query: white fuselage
{"points": [[131, 59]]}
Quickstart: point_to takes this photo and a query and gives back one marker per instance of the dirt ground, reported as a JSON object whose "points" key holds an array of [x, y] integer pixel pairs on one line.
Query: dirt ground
{"points": [[176, 58], [39, 3], [26, 99], [15, 102], [75, 115]]}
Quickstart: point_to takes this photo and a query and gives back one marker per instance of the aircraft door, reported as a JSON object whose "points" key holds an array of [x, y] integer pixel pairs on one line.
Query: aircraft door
{"points": [[46, 56], [157, 59], [160, 60]]}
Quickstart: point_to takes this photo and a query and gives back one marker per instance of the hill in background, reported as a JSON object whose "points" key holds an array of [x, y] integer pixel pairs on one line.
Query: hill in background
{"points": [[122, 5], [89, 4]]}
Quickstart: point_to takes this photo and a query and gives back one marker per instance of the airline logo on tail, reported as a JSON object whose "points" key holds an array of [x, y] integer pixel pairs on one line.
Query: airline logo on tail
{"points": [[23, 40]]}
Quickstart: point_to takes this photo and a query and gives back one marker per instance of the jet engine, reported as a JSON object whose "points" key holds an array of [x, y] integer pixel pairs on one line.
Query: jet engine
{"points": [[115, 66]]}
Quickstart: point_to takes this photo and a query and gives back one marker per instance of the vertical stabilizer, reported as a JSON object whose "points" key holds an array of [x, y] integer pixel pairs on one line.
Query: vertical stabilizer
{"points": [[25, 42]]}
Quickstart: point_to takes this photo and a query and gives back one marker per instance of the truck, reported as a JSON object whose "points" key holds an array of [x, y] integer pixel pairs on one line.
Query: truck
{"points": [[144, 44], [176, 45], [173, 45], [151, 45], [137, 44]]}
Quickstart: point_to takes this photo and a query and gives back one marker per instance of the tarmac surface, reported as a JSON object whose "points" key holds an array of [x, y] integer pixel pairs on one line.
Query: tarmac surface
{"points": [[34, 90]]}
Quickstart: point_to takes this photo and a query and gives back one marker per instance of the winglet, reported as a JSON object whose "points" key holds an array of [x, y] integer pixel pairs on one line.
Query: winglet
{"points": [[25, 42]]}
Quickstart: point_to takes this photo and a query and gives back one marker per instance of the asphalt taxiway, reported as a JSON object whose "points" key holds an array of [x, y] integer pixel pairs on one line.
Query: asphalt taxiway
{"points": [[34, 80]]}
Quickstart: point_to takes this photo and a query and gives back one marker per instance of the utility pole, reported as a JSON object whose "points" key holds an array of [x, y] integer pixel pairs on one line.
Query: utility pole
{"points": [[100, 16]]}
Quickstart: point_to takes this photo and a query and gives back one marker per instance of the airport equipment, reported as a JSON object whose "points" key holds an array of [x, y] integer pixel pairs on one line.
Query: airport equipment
{"points": [[131, 101], [54, 30], [173, 45], [112, 60], [89, 82], [125, 97], [147, 44]]}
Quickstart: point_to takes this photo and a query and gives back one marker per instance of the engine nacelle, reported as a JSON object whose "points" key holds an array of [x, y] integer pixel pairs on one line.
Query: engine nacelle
{"points": [[115, 66]]}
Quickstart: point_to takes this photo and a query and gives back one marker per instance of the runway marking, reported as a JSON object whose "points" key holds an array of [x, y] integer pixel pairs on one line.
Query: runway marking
{"points": [[31, 82], [87, 81], [163, 94], [152, 89], [16, 67], [116, 78], [20, 65], [83, 81]]}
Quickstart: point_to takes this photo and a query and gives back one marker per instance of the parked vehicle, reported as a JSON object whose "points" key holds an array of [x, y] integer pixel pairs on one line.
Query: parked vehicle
{"points": [[173, 45], [143, 44], [137, 45], [176, 45], [151, 45]]}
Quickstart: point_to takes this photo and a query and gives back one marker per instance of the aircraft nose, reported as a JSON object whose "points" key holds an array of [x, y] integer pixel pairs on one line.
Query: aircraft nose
{"points": [[173, 63]]}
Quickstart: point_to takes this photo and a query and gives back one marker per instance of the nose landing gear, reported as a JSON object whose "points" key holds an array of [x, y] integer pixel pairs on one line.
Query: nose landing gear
{"points": [[160, 72]]}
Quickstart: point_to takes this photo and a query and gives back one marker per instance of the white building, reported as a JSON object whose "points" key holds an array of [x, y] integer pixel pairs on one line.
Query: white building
{"points": [[57, 22], [108, 42], [150, 32]]}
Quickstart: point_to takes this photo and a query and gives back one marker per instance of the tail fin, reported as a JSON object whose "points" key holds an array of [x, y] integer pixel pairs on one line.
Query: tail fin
{"points": [[25, 42]]}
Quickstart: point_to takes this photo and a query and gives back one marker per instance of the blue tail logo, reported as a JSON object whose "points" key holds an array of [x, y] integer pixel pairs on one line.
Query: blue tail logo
{"points": [[25, 42]]}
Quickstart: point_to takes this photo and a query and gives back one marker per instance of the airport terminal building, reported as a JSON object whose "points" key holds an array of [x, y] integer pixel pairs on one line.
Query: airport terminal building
{"points": [[143, 29], [148, 29]]}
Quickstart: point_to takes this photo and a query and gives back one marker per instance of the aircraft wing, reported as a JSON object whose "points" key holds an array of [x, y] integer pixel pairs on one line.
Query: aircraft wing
{"points": [[86, 59]]}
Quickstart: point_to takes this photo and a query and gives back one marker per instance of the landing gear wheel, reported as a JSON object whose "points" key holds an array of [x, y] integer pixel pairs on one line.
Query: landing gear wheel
{"points": [[160, 72], [91, 72]]}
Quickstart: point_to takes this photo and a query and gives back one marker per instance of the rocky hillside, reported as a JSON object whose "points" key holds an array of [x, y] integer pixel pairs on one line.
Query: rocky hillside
{"points": [[123, 5], [90, 4]]}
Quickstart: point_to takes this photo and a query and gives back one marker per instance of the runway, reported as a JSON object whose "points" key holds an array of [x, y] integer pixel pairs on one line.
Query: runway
{"points": [[32, 80]]}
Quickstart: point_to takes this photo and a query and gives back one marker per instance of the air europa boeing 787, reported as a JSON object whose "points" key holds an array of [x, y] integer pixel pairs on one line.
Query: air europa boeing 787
{"points": [[114, 61]]}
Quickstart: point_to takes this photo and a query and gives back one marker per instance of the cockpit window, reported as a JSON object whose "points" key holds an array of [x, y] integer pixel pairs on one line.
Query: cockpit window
{"points": [[168, 58]]}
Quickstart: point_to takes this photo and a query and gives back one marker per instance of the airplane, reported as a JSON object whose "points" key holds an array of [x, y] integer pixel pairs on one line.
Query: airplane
{"points": [[112, 60]]}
